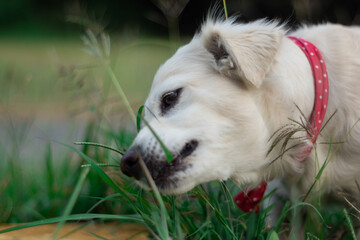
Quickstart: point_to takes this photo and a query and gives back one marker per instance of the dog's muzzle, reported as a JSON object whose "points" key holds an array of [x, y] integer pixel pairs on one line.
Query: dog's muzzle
{"points": [[160, 169]]}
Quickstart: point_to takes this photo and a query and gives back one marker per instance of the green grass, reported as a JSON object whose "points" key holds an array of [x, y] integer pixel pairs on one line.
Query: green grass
{"points": [[84, 183], [45, 79]]}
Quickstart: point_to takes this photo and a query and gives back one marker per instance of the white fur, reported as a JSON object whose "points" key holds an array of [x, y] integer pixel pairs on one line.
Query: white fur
{"points": [[233, 104]]}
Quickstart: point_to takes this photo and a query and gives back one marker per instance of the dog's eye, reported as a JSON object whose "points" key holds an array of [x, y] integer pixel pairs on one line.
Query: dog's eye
{"points": [[169, 100]]}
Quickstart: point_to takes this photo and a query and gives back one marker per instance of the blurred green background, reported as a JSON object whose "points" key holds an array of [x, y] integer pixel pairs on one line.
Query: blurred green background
{"points": [[52, 91]]}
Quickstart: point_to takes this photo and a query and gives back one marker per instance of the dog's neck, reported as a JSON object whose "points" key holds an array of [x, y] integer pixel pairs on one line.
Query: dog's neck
{"points": [[287, 93]]}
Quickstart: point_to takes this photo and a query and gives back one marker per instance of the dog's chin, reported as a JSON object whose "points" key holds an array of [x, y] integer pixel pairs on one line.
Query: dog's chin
{"points": [[174, 188], [168, 176], [170, 182]]}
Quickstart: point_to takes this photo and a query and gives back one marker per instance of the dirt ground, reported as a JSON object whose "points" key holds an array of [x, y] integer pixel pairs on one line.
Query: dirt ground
{"points": [[107, 231]]}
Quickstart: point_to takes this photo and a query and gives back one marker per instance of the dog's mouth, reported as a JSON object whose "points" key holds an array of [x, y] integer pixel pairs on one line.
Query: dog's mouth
{"points": [[164, 173]]}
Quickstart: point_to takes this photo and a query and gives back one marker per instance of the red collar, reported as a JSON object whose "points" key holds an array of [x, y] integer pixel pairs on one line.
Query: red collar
{"points": [[320, 82], [247, 200]]}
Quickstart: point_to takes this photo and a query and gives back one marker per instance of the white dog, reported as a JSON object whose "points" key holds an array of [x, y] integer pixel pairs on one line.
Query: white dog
{"points": [[218, 101]]}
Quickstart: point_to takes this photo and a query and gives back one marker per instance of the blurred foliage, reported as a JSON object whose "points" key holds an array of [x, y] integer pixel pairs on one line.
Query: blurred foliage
{"points": [[157, 17]]}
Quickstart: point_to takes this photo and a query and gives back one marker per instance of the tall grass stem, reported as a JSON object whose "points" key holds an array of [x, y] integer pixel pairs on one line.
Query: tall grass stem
{"points": [[328, 159], [120, 91], [163, 212], [225, 9], [348, 220], [75, 194]]}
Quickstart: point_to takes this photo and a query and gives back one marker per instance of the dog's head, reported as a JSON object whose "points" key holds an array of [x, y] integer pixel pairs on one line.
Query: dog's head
{"points": [[202, 106]]}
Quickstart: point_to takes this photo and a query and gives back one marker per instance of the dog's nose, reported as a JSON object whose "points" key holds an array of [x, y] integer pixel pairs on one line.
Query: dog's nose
{"points": [[130, 163]]}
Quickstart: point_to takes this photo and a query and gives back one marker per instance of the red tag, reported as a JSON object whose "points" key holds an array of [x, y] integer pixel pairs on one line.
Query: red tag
{"points": [[248, 200]]}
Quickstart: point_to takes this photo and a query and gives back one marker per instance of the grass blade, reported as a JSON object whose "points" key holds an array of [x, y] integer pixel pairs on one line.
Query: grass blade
{"points": [[75, 230], [71, 203], [273, 236], [101, 165], [138, 118], [309, 205], [119, 90], [280, 220], [251, 227], [100, 145], [225, 9], [349, 223], [50, 171], [164, 234], [98, 236], [329, 157], [218, 214], [102, 174], [103, 200], [166, 151], [352, 205], [318, 175]]}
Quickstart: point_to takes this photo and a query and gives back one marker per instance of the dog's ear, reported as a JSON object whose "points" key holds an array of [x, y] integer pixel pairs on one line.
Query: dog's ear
{"points": [[243, 51]]}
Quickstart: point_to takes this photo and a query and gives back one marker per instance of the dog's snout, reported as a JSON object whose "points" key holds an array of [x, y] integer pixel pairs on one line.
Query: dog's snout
{"points": [[130, 163]]}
